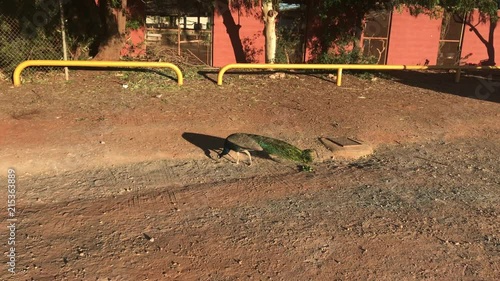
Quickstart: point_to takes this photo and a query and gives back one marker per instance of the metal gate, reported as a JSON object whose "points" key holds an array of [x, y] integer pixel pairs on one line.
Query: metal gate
{"points": [[376, 35], [450, 41], [183, 28]]}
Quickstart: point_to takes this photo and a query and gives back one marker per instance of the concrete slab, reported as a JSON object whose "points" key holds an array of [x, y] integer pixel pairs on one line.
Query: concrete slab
{"points": [[345, 148]]}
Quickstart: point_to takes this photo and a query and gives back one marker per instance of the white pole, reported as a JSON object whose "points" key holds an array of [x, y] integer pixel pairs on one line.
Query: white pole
{"points": [[63, 34]]}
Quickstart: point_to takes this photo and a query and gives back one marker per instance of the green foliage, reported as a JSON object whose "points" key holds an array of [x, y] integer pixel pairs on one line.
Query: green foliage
{"points": [[134, 24], [115, 4], [147, 81], [345, 56], [28, 30], [252, 52], [307, 155], [282, 46], [290, 41], [305, 168], [486, 7], [341, 22], [15, 49]]}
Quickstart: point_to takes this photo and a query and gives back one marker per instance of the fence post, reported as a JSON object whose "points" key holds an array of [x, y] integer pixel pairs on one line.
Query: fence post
{"points": [[457, 75], [63, 34]]}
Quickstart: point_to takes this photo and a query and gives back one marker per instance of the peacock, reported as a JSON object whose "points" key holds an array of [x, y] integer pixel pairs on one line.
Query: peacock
{"points": [[242, 142]]}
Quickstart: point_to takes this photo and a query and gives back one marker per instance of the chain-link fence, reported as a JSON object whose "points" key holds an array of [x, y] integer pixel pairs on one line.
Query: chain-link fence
{"points": [[28, 34]]}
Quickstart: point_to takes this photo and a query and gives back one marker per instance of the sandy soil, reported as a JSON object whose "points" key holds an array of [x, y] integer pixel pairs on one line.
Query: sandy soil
{"points": [[118, 183]]}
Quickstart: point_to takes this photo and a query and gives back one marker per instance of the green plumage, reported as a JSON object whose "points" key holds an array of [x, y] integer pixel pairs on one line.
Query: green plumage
{"points": [[283, 149], [241, 142]]}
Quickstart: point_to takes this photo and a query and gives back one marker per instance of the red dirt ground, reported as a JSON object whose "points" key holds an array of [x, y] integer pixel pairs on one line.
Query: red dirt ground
{"points": [[120, 183]]}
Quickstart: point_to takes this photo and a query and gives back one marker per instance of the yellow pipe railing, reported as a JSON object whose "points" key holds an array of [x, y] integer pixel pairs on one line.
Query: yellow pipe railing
{"points": [[127, 64], [340, 67]]}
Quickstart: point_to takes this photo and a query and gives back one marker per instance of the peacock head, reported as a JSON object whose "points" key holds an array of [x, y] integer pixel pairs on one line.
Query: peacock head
{"points": [[223, 152], [307, 155]]}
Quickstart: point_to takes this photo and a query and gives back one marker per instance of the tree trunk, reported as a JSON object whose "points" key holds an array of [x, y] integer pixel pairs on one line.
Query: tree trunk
{"points": [[269, 16], [114, 21], [121, 17], [490, 47]]}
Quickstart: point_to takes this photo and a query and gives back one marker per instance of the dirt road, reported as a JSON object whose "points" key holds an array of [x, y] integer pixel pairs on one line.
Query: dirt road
{"points": [[123, 184]]}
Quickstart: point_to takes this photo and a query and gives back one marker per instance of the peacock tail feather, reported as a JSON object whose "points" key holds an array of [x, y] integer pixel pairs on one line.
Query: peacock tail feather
{"points": [[283, 149]]}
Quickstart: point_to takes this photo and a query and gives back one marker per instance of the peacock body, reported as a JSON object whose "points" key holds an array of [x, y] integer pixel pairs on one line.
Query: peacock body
{"points": [[242, 142]]}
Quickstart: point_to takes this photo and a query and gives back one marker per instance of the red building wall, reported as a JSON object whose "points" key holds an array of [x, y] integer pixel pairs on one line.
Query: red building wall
{"points": [[250, 35], [313, 26], [413, 40], [472, 45], [134, 45], [134, 39]]}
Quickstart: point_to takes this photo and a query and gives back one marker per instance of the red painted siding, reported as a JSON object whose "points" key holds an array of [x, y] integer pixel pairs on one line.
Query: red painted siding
{"points": [[134, 43], [250, 35], [134, 39], [473, 46], [413, 40], [313, 25]]}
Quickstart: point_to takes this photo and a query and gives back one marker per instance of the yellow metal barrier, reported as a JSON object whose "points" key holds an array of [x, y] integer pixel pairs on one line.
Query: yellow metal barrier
{"points": [[23, 65], [340, 67]]}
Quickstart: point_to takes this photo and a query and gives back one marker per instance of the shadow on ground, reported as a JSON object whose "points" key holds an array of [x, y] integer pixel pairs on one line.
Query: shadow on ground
{"points": [[205, 142], [167, 73], [212, 146], [481, 85], [475, 85], [211, 75]]}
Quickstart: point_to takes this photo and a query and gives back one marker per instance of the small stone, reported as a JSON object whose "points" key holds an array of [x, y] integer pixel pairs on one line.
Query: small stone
{"points": [[278, 75]]}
